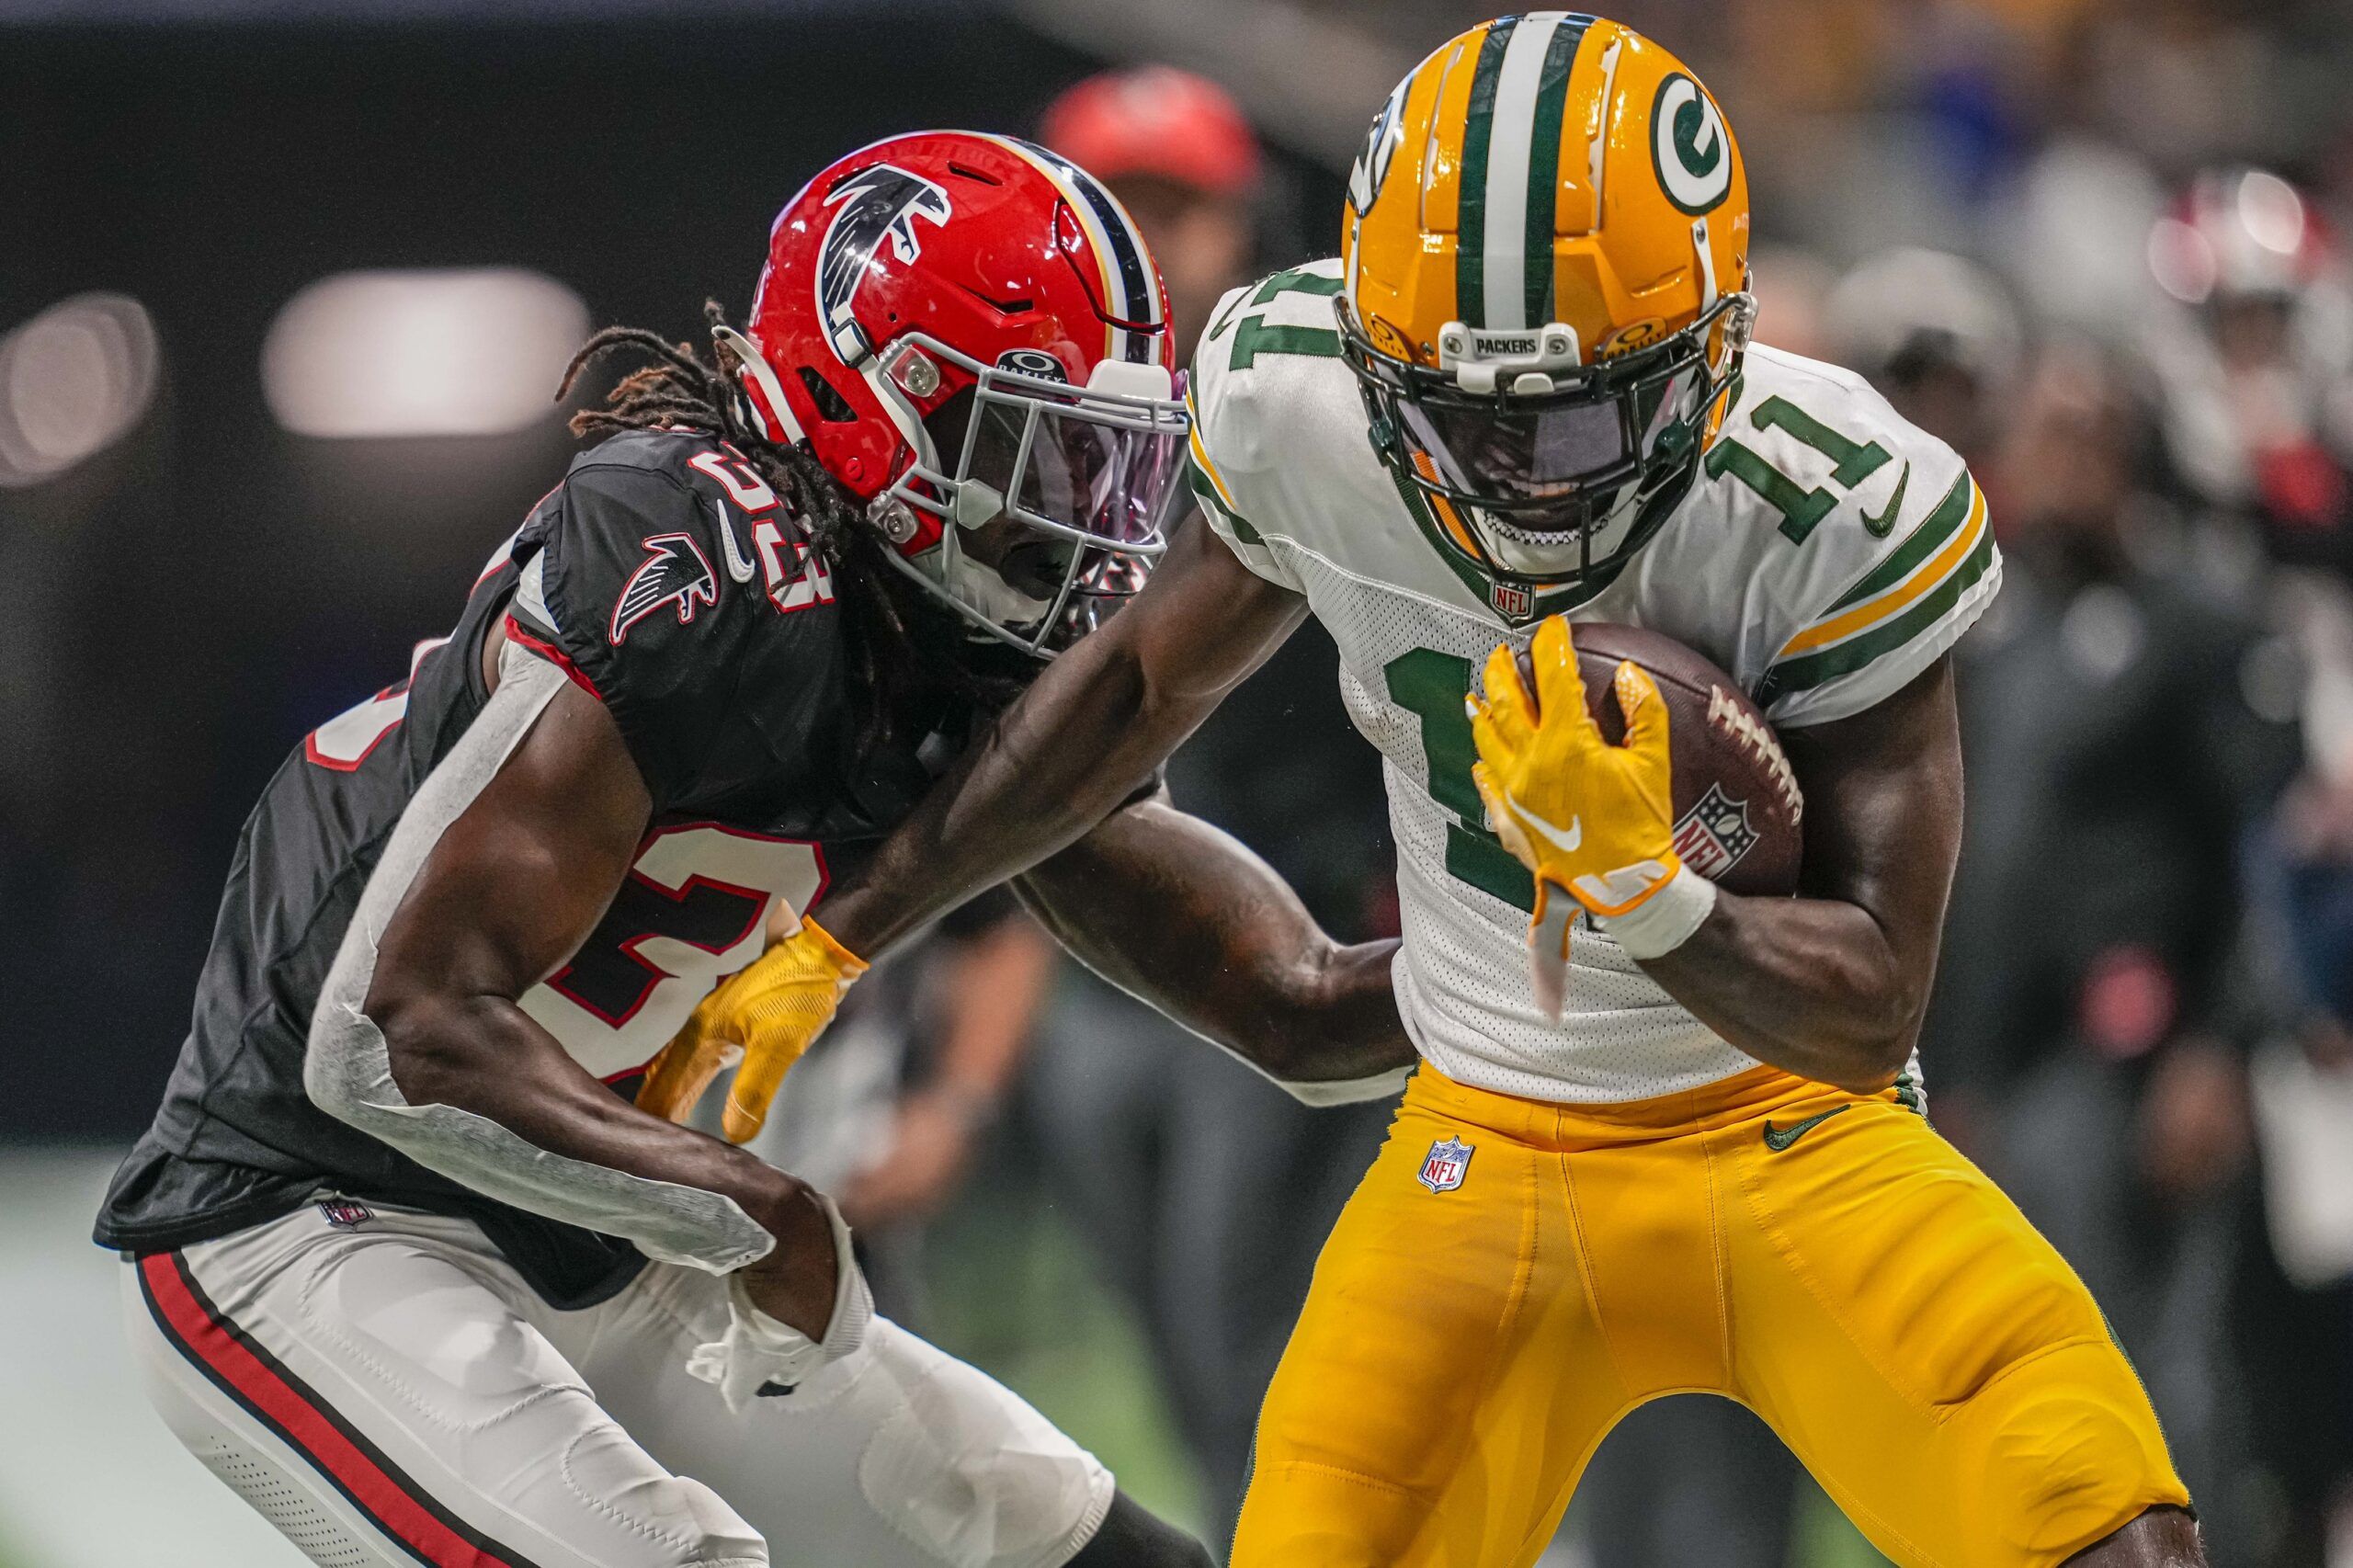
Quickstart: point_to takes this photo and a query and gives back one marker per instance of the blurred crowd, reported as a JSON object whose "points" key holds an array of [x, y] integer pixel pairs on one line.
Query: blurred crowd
{"points": [[2095, 247]]}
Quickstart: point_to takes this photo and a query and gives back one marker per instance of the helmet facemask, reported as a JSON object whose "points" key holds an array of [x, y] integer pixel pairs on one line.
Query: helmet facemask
{"points": [[1053, 500], [1550, 466]]}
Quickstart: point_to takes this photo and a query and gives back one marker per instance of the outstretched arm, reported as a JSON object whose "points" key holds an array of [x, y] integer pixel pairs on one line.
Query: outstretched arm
{"points": [[1184, 916], [1079, 742]]}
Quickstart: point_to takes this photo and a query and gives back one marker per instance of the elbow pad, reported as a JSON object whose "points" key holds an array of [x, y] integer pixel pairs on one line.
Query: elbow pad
{"points": [[347, 1070]]}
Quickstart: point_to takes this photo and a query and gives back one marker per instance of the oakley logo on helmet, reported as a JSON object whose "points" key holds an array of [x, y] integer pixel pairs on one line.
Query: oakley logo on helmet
{"points": [[872, 206], [1033, 362], [1689, 147]]}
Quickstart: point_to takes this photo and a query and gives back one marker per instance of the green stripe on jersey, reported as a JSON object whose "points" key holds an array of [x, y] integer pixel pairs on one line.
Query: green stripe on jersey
{"points": [[1478, 131], [1809, 670], [1205, 491], [1935, 530], [1544, 164]]}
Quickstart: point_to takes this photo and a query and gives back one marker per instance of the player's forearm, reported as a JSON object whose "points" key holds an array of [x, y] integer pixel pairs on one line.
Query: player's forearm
{"points": [[480, 1094], [483, 1054], [1808, 985], [1092, 728], [1082, 740], [1185, 917]]}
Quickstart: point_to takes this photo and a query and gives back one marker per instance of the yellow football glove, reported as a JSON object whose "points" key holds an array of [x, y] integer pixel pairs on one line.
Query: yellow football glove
{"points": [[1593, 820], [764, 1016]]}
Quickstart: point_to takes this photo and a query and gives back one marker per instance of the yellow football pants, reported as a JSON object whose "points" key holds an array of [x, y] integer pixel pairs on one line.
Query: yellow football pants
{"points": [[1823, 1258]]}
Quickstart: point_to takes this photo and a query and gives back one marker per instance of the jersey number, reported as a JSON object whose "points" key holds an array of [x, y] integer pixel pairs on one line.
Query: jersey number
{"points": [[692, 910], [344, 742], [1432, 686], [1253, 336], [1801, 508]]}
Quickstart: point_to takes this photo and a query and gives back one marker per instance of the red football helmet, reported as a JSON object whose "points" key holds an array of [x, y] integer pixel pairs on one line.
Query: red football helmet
{"points": [[971, 336]]}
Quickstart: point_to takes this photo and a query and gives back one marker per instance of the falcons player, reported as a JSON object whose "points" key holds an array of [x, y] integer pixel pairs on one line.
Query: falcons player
{"points": [[401, 1269]]}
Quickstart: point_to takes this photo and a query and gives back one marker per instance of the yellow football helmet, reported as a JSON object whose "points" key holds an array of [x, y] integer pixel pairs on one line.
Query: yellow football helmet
{"points": [[1546, 244]]}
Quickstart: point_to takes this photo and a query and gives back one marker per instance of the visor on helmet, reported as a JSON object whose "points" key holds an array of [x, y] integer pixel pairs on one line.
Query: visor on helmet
{"points": [[1545, 478], [1057, 497]]}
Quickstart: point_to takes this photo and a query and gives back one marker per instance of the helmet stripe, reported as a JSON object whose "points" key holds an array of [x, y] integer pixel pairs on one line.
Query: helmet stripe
{"points": [[1066, 179], [1478, 133], [1508, 211], [1128, 271], [1544, 165]]}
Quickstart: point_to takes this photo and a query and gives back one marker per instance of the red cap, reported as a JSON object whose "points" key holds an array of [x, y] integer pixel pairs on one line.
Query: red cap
{"points": [[1155, 119]]}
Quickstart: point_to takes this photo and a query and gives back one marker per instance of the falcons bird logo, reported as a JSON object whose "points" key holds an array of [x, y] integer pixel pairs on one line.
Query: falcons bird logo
{"points": [[675, 571], [872, 206]]}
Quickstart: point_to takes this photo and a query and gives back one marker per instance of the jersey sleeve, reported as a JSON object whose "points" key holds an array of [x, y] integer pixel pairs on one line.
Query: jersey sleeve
{"points": [[1907, 564], [627, 594], [1229, 444]]}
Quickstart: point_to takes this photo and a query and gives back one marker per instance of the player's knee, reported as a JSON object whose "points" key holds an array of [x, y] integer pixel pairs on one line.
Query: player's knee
{"points": [[1132, 1537], [2061, 1470], [622, 1502]]}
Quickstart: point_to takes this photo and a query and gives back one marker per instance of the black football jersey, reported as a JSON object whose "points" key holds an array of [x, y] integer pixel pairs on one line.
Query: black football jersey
{"points": [[665, 577]]}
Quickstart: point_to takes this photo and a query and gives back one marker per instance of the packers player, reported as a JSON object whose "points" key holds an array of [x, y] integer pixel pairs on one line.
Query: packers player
{"points": [[1523, 396]]}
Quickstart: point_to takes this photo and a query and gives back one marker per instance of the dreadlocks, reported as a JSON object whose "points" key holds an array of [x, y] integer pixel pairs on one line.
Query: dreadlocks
{"points": [[899, 645]]}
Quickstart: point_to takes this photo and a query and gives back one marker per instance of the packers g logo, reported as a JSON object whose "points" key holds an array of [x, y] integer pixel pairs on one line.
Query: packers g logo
{"points": [[1689, 146]]}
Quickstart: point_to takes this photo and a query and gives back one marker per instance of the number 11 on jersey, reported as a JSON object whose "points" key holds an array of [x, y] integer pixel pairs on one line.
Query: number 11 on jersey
{"points": [[1432, 686]]}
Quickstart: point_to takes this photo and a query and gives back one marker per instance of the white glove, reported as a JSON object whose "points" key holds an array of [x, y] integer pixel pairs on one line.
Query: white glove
{"points": [[757, 1350]]}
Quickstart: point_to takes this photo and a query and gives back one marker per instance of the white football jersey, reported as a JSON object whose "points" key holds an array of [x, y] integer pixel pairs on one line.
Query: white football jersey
{"points": [[1826, 552]]}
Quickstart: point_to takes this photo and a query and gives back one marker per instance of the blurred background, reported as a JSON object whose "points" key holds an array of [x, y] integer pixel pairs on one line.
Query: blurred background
{"points": [[284, 291]]}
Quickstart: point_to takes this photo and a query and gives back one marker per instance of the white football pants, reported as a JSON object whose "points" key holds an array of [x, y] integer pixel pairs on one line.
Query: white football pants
{"points": [[391, 1393]]}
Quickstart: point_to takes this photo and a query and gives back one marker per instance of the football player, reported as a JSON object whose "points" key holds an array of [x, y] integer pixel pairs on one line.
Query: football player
{"points": [[1523, 395], [401, 1269]]}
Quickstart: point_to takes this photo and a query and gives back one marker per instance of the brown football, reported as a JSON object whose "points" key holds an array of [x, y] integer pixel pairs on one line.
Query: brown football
{"points": [[1737, 808]]}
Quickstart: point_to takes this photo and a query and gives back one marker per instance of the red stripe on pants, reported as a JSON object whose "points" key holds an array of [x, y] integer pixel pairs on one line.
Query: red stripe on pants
{"points": [[383, 1493]]}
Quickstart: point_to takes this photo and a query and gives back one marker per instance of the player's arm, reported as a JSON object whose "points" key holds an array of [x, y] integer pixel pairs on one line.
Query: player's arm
{"points": [[1082, 740], [1185, 917], [432, 1054], [1831, 985]]}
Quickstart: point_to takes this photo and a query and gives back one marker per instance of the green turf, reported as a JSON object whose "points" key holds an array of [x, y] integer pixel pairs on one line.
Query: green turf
{"points": [[1822, 1536], [1012, 1291]]}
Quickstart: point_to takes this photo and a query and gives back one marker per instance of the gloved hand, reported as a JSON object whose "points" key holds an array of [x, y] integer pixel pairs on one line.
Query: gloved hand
{"points": [[1587, 818], [765, 1015], [757, 1350]]}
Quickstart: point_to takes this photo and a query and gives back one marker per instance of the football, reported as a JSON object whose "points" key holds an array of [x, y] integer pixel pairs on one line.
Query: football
{"points": [[1738, 812]]}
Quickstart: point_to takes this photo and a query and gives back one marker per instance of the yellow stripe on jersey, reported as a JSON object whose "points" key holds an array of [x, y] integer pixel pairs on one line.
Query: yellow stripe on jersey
{"points": [[1912, 591], [1940, 565], [1201, 458]]}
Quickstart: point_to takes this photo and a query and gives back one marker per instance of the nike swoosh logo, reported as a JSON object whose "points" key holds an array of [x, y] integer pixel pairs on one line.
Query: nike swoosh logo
{"points": [[1563, 842], [1880, 525], [1779, 1138], [739, 565]]}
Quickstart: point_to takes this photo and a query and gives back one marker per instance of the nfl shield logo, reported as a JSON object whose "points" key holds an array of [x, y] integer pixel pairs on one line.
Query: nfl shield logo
{"points": [[1715, 833], [1443, 1168], [1512, 601], [343, 1213]]}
